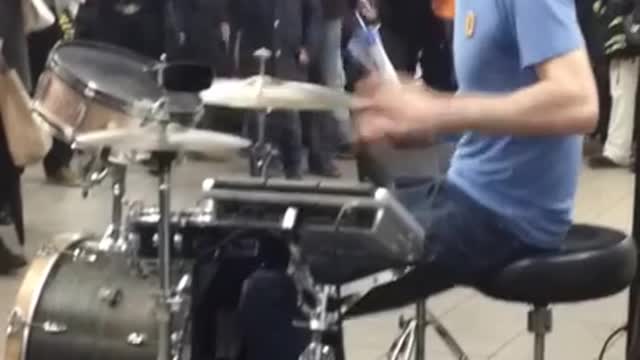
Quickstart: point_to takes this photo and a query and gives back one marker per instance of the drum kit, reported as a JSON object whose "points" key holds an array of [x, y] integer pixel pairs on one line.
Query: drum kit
{"points": [[127, 295]]}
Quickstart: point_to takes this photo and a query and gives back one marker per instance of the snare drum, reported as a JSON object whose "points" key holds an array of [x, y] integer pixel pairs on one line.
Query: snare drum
{"points": [[90, 86]]}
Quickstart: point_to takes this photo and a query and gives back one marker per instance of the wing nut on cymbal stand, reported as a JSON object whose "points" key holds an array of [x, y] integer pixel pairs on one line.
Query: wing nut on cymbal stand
{"points": [[262, 152]]}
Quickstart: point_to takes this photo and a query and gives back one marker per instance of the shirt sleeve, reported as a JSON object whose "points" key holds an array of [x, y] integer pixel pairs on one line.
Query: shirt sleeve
{"points": [[544, 29]]}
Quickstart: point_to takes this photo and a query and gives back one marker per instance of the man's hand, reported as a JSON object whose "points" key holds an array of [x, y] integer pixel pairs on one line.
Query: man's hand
{"points": [[405, 113], [303, 57]]}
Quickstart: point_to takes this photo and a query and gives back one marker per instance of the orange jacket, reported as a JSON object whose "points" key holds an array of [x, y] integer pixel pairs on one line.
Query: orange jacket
{"points": [[444, 9]]}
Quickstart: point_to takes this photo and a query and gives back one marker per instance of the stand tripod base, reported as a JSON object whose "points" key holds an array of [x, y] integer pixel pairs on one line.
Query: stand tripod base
{"points": [[410, 344]]}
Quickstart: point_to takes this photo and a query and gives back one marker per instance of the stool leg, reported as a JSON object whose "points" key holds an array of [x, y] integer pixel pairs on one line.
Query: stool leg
{"points": [[421, 327], [539, 324]]}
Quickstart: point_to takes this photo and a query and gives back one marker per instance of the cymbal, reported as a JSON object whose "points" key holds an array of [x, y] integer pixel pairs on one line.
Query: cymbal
{"points": [[264, 92], [173, 138]]}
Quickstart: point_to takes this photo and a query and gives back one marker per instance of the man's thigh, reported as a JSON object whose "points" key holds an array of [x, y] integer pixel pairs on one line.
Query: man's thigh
{"points": [[464, 244]]}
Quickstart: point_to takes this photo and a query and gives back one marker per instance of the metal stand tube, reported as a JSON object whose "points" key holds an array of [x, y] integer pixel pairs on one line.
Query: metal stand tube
{"points": [[538, 347], [421, 326], [118, 191], [164, 256]]}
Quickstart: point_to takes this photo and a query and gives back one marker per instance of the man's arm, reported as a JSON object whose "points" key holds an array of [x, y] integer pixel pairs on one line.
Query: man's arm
{"points": [[563, 101]]}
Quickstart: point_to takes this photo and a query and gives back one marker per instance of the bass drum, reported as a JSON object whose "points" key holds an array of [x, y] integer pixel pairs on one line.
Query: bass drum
{"points": [[79, 303]]}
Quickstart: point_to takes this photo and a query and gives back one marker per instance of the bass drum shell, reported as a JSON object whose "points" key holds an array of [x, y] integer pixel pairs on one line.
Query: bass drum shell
{"points": [[106, 308]]}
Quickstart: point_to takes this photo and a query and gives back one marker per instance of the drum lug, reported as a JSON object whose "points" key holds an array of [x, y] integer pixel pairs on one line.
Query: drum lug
{"points": [[17, 323], [137, 339], [84, 255]]}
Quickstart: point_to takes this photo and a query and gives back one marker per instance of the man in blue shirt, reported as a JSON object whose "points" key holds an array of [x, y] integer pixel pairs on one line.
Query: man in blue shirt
{"points": [[526, 93]]}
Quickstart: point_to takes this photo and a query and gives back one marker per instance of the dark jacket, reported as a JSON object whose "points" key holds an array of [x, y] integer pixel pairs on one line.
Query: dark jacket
{"points": [[334, 9], [152, 27], [611, 16], [283, 26]]}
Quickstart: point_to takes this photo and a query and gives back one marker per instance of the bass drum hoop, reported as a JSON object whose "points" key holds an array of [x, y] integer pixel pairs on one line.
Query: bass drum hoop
{"points": [[30, 292], [55, 64]]}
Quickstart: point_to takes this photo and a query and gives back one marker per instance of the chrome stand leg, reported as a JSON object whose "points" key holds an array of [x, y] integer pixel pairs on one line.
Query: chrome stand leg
{"points": [[421, 327], [164, 256], [118, 190], [539, 324], [412, 338]]}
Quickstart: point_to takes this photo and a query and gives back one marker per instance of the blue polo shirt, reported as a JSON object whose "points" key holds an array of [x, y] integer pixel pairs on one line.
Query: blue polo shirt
{"points": [[530, 182]]}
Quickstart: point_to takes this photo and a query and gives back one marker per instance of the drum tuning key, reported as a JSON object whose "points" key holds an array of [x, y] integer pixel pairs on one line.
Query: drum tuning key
{"points": [[17, 323]]}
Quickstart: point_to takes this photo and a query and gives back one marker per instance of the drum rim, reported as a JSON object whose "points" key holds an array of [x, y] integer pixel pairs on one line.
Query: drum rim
{"points": [[127, 107], [196, 217], [39, 272]]}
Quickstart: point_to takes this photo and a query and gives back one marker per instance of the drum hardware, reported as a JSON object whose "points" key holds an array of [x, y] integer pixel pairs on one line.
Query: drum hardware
{"points": [[137, 339], [89, 86], [17, 323], [412, 330], [78, 254], [347, 236], [110, 296], [262, 152]]}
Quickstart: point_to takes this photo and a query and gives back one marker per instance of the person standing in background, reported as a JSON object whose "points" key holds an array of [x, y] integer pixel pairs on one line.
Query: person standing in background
{"points": [[14, 50], [624, 70], [56, 163], [325, 132], [415, 35], [290, 30]]}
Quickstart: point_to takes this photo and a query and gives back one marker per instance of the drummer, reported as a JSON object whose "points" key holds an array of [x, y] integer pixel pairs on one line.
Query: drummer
{"points": [[523, 104]]}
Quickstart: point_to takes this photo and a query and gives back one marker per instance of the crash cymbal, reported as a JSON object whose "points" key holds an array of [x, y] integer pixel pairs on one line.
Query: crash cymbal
{"points": [[173, 138], [264, 92]]}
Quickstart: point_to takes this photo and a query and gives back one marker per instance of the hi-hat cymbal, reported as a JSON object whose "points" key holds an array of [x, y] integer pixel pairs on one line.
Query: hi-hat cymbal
{"points": [[173, 138], [264, 92]]}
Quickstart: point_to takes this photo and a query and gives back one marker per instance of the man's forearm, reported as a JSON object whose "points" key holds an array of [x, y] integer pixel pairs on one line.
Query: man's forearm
{"points": [[541, 109]]}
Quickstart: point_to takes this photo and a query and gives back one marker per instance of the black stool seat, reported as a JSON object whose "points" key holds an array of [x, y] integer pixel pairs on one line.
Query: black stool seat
{"points": [[595, 262]]}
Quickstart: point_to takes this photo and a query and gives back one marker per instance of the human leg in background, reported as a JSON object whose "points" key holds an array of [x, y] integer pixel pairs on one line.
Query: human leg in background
{"points": [[320, 134], [333, 74], [283, 131], [624, 85], [593, 144], [11, 199]]}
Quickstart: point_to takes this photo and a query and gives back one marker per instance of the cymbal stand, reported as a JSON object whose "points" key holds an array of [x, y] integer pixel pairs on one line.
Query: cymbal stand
{"points": [[164, 305], [262, 152], [320, 318]]}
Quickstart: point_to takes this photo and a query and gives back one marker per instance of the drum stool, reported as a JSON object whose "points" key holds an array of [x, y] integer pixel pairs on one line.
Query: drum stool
{"points": [[595, 262]]}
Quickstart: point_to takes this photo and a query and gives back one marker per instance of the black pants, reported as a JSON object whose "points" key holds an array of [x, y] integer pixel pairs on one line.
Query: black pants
{"points": [[320, 135], [284, 131]]}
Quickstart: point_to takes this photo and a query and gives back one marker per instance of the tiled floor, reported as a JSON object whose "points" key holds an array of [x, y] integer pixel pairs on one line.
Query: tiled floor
{"points": [[487, 329]]}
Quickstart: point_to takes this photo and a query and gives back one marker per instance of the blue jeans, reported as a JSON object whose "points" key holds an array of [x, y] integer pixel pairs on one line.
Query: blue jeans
{"points": [[465, 244]]}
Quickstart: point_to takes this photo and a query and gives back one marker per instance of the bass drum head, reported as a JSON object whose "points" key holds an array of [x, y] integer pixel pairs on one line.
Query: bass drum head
{"points": [[113, 72], [91, 305]]}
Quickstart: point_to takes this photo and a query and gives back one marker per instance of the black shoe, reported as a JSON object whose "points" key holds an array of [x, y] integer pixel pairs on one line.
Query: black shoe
{"points": [[10, 261], [328, 171], [603, 162]]}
